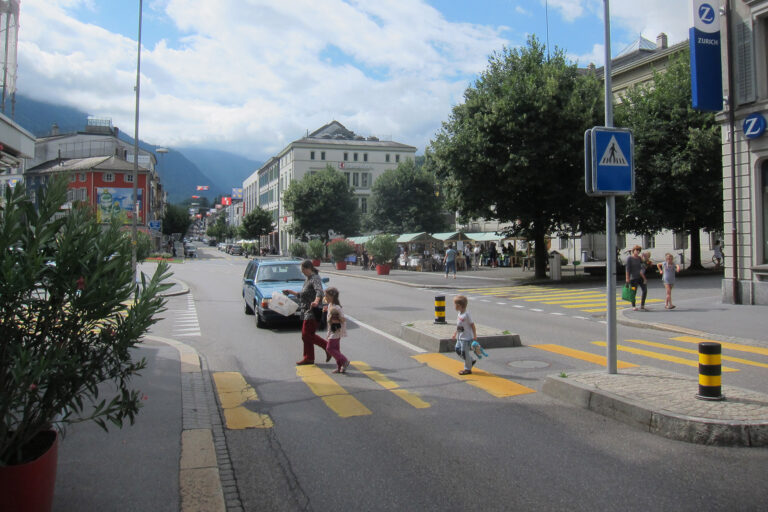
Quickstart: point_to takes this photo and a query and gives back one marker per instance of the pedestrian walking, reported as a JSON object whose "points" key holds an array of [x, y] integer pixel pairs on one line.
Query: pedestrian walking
{"points": [[309, 298], [667, 269], [465, 334], [365, 259], [476, 253], [449, 260], [718, 256], [635, 275], [337, 329], [468, 256]]}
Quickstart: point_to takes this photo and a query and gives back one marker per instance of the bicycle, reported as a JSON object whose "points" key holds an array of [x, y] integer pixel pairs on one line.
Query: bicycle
{"points": [[718, 261]]}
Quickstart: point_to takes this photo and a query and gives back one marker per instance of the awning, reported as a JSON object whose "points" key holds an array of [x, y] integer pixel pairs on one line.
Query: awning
{"points": [[360, 240], [407, 238], [455, 236], [485, 237]]}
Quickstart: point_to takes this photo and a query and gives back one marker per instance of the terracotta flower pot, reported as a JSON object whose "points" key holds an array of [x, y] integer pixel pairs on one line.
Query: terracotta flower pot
{"points": [[29, 487], [382, 270], [341, 265], [316, 263]]}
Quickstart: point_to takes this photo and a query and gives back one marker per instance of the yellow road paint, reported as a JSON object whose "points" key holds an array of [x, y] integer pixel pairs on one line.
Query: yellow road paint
{"points": [[233, 392], [334, 396], [579, 354], [585, 298], [661, 357], [692, 351], [488, 382], [390, 385], [730, 346], [649, 301]]}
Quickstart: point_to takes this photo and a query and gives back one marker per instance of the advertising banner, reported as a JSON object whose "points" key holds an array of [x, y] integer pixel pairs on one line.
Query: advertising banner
{"points": [[116, 201], [237, 193], [706, 69]]}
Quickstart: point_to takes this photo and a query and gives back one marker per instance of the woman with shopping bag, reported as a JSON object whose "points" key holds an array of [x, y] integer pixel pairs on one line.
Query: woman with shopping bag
{"points": [[310, 297]]}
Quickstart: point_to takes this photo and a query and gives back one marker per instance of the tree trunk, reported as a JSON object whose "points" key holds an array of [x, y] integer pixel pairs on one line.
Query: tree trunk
{"points": [[541, 255], [696, 249]]}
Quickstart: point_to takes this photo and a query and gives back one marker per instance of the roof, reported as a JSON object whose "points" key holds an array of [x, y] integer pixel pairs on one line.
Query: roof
{"points": [[485, 237], [336, 134], [641, 44], [416, 237], [455, 236], [360, 240], [101, 163]]}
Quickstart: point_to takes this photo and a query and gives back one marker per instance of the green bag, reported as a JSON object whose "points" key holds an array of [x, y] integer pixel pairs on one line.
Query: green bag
{"points": [[628, 292]]}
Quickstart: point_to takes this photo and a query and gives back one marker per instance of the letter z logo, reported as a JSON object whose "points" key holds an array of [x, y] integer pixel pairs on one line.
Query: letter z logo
{"points": [[706, 14]]}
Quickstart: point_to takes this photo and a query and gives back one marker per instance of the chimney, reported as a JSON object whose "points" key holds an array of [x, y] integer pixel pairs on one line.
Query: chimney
{"points": [[54, 129], [661, 41]]}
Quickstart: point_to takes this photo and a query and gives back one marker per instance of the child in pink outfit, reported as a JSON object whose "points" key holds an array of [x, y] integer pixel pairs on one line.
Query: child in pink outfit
{"points": [[337, 329]]}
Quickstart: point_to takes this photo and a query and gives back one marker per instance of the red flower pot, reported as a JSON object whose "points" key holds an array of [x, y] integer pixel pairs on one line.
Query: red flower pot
{"points": [[29, 487], [341, 265], [316, 263], [382, 270]]}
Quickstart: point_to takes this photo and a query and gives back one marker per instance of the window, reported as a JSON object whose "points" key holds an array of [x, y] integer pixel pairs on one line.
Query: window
{"points": [[346, 175], [322, 155], [128, 178], [108, 177], [346, 156], [397, 158], [386, 158], [355, 179], [564, 242], [363, 205], [681, 241], [311, 155], [744, 63], [82, 194], [364, 180], [649, 242], [72, 178], [82, 177], [354, 157], [365, 157]]}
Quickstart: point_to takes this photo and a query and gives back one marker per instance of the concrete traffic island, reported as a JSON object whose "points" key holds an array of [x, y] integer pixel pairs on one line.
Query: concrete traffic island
{"points": [[437, 337], [665, 404]]}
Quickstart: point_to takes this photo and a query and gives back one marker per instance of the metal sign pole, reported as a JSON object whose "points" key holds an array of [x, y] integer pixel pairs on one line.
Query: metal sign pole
{"points": [[610, 215]]}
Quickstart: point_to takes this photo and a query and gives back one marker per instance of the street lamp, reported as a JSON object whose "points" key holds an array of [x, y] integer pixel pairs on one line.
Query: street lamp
{"points": [[134, 233]]}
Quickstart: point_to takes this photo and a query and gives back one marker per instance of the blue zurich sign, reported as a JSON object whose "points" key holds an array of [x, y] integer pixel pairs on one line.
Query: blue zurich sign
{"points": [[754, 125], [706, 73], [611, 151]]}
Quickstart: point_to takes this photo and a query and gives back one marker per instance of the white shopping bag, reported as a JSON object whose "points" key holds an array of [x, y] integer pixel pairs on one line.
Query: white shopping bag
{"points": [[280, 303]]}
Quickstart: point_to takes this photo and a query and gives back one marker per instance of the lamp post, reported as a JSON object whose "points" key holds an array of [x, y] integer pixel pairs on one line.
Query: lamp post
{"points": [[134, 234]]}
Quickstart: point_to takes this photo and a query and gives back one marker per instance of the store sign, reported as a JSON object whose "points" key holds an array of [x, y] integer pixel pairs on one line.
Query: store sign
{"points": [[706, 71]]}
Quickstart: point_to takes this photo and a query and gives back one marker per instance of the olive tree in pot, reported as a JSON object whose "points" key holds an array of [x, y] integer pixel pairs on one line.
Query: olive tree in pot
{"points": [[340, 249], [315, 250], [70, 313], [383, 248], [298, 250]]}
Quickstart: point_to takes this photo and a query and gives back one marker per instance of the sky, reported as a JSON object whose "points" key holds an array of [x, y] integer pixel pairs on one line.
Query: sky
{"points": [[251, 76]]}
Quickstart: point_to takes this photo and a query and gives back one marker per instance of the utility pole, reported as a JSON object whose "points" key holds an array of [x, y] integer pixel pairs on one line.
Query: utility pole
{"points": [[134, 228]]}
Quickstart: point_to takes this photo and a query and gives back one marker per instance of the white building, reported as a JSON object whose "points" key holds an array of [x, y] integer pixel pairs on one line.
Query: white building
{"points": [[361, 159]]}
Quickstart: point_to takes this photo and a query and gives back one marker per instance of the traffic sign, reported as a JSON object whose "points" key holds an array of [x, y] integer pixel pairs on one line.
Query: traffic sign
{"points": [[612, 155], [155, 225]]}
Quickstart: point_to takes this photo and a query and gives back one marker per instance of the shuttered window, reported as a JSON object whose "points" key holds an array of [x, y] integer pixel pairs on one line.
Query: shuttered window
{"points": [[744, 69]]}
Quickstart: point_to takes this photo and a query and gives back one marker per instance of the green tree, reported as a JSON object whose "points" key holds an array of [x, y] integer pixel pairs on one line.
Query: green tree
{"points": [[678, 159], [404, 200], [513, 151], [320, 202], [219, 229], [176, 219], [256, 223]]}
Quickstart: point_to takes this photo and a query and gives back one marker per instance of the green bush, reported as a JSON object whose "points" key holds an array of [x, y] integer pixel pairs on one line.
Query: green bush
{"points": [[298, 250], [383, 248], [316, 249], [71, 314], [340, 249]]}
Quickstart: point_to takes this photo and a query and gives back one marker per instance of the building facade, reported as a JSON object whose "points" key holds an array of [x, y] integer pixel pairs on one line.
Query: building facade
{"points": [[745, 151], [361, 159]]}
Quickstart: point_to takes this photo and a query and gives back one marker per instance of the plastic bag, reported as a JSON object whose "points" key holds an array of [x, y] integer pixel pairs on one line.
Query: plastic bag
{"points": [[282, 304]]}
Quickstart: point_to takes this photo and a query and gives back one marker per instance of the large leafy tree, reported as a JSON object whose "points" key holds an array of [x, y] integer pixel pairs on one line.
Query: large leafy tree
{"points": [[256, 223], [176, 219], [513, 151], [678, 162], [320, 202], [404, 200]]}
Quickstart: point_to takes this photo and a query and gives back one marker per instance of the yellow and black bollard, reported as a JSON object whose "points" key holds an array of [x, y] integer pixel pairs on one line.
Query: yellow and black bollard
{"points": [[710, 370], [439, 309]]}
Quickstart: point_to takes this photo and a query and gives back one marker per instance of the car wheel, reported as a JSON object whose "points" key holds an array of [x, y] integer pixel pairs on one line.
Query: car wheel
{"points": [[248, 309], [260, 323]]}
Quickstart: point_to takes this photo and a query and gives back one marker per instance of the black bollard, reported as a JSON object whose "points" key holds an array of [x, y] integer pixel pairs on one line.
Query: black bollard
{"points": [[710, 370], [440, 309]]}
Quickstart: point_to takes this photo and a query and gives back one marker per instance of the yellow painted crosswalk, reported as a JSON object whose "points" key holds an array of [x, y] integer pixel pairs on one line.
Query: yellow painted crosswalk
{"points": [[233, 392]]}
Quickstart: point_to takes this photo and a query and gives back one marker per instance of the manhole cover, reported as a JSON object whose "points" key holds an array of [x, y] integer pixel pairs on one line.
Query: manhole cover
{"points": [[528, 364]]}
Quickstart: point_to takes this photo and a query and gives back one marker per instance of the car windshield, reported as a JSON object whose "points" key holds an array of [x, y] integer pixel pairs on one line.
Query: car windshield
{"points": [[289, 272]]}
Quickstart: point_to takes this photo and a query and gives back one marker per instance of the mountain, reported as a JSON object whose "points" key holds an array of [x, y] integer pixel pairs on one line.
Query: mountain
{"points": [[181, 170]]}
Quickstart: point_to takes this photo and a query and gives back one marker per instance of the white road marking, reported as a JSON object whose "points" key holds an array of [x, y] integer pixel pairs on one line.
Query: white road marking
{"points": [[388, 336]]}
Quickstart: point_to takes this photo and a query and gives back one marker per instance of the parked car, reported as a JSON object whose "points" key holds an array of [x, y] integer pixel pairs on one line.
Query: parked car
{"points": [[190, 251], [265, 275], [221, 246], [235, 250]]}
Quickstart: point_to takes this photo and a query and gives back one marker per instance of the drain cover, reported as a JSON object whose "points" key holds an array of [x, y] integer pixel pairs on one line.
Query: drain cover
{"points": [[528, 364]]}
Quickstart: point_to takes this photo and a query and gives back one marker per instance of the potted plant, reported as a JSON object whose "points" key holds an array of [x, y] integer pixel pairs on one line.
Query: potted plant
{"points": [[298, 250], [70, 313], [315, 250], [340, 249], [384, 249]]}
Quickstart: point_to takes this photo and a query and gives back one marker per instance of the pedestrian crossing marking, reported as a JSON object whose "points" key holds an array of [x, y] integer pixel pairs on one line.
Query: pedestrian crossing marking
{"points": [[613, 155], [730, 346], [488, 382], [334, 396], [661, 357], [389, 384], [233, 392], [579, 354], [696, 352], [583, 298]]}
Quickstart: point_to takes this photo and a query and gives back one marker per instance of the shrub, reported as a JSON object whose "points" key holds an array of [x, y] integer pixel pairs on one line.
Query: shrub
{"points": [[298, 250], [383, 248], [340, 249], [315, 249]]}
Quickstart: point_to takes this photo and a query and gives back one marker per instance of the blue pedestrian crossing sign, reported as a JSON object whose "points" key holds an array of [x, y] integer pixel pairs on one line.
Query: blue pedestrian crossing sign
{"points": [[611, 153]]}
